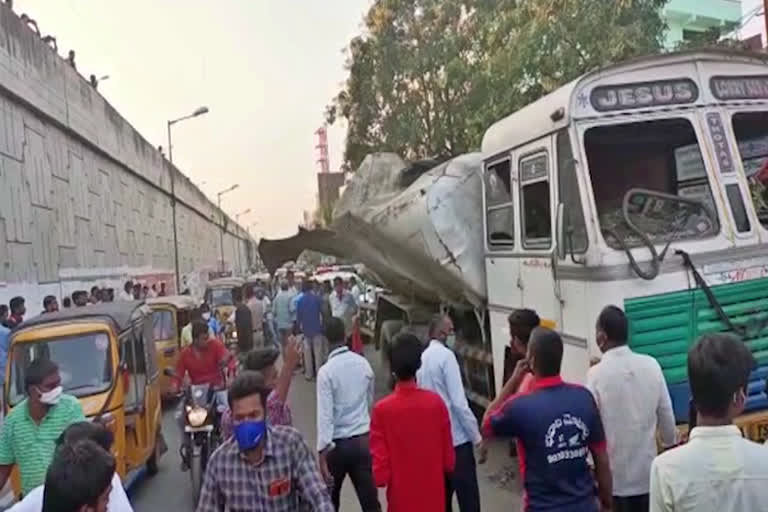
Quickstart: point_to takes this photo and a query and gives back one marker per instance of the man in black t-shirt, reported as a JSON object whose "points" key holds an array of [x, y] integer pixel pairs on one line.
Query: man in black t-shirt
{"points": [[243, 322]]}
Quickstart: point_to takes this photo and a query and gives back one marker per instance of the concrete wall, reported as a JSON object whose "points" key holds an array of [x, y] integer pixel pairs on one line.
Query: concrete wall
{"points": [[699, 16], [84, 199]]}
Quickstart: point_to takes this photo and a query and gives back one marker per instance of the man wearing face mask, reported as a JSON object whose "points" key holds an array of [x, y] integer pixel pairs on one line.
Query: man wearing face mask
{"points": [[261, 467], [28, 437], [440, 373]]}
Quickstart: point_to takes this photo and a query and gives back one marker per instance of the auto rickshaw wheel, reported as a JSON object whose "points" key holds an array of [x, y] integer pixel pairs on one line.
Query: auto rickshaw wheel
{"points": [[154, 461]]}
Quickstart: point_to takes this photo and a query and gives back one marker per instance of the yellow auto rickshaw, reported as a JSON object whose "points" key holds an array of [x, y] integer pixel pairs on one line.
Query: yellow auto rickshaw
{"points": [[169, 316], [107, 359], [219, 296]]}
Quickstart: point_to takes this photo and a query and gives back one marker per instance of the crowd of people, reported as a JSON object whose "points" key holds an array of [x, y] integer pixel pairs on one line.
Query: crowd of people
{"points": [[579, 448]]}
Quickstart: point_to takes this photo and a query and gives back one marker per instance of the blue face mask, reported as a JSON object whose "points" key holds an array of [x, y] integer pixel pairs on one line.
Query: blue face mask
{"points": [[250, 433]]}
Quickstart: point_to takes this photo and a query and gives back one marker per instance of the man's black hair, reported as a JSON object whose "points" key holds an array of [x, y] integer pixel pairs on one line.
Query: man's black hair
{"points": [[78, 475], [90, 430], [38, 370], [718, 367], [3, 309], [66, 302], [48, 300], [334, 331], [199, 328], [246, 384], [260, 358], [405, 356], [337, 280], [16, 303], [306, 286], [613, 322], [521, 323], [95, 290], [546, 346], [128, 286]]}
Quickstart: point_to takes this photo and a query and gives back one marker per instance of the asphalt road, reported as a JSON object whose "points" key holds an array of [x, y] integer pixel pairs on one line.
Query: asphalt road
{"points": [[170, 489]]}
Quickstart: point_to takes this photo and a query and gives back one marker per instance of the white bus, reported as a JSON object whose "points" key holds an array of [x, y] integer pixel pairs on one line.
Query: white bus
{"points": [[643, 185]]}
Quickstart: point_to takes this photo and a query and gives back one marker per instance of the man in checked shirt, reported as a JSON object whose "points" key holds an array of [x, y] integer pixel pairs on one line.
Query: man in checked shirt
{"points": [[261, 467]]}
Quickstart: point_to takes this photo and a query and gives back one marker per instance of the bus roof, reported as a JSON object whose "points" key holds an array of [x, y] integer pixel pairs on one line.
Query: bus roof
{"points": [[545, 116]]}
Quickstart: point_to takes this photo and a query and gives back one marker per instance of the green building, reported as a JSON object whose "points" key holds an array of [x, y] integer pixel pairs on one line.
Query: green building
{"points": [[687, 17]]}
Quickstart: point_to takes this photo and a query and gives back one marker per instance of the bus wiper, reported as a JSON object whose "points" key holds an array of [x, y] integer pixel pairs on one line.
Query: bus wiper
{"points": [[656, 258]]}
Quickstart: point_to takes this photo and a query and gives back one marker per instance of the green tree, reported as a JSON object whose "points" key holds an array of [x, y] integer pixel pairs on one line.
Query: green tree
{"points": [[427, 77]]}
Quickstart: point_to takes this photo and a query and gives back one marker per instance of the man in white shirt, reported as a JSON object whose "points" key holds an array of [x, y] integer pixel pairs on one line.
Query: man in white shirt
{"points": [[343, 305], [633, 399], [440, 373], [344, 400], [717, 469], [127, 293], [80, 431]]}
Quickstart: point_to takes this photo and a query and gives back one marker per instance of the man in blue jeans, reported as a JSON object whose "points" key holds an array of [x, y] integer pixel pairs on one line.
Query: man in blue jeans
{"points": [[309, 317]]}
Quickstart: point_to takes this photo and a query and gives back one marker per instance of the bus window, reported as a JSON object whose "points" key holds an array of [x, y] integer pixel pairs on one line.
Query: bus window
{"points": [[568, 189], [751, 130], [536, 213], [661, 155], [500, 211]]}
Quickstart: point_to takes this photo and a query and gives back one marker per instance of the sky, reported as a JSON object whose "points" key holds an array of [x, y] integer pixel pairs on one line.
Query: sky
{"points": [[266, 69], [753, 24]]}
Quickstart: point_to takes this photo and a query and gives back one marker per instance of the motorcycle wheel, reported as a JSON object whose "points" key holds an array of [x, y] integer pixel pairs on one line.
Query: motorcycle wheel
{"points": [[196, 472]]}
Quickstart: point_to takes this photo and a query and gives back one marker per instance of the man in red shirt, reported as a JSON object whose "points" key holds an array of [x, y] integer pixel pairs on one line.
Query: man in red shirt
{"points": [[407, 422], [204, 359]]}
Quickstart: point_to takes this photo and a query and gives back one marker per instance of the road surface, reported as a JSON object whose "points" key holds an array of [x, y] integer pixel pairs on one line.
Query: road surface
{"points": [[170, 489]]}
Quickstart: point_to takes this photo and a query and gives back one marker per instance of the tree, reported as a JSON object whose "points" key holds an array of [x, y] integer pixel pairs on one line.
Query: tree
{"points": [[429, 76]]}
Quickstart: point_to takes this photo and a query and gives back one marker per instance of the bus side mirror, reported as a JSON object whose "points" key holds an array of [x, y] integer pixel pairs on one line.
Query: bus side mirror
{"points": [[560, 231]]}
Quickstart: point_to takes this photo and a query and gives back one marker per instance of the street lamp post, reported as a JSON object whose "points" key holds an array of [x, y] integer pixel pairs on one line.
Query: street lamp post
{"points": [[200, 111], [221, 243], [237, 244]]}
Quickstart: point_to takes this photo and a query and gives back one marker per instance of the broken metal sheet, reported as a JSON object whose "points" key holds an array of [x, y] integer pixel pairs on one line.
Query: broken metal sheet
{"points": [[425, 241]]}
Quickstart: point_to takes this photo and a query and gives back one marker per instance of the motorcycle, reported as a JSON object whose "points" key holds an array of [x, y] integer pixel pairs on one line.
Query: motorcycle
{"points": [[202, 408]]}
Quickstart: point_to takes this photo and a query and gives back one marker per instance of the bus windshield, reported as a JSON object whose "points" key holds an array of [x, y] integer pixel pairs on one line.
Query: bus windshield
{"points": [[83, 360], [659, 155], [751, 130]]}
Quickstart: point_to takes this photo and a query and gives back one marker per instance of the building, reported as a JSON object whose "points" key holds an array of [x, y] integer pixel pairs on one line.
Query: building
{"points": [[686, 18], [328, 187]]}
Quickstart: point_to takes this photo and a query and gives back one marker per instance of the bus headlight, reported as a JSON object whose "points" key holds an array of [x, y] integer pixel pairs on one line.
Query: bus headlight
{"points": [[196, 416]]}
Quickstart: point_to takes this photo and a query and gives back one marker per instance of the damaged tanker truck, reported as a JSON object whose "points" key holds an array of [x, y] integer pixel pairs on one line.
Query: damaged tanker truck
{"points": [[643, 185]]}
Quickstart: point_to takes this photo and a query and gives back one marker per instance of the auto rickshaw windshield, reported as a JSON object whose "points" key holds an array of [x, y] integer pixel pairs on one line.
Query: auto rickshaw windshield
{"points": [[162, 325], [221, 297], [83, 360]]}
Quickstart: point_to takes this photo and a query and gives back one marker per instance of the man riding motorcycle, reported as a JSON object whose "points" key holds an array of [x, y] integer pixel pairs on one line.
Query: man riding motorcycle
{"points": [[204, 362]]}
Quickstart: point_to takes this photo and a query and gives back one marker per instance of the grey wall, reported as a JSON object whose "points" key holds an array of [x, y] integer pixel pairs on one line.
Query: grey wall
{"points": [[83, 197]]}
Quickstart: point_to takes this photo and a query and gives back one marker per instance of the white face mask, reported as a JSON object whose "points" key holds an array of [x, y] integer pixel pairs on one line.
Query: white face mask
{"points": [[52, 397], [450, 341], [206, 316]]}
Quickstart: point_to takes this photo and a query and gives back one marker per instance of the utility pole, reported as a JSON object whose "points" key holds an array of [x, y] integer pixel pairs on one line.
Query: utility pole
{"points": [[765, 19]]}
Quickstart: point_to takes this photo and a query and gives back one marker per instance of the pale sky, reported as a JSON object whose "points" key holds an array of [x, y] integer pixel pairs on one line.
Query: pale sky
{"points": [[754, 24], [265, 68]]}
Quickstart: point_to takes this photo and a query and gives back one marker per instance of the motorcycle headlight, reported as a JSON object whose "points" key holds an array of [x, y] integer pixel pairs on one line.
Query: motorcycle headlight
{"points": [[234, 335], [196, 416]]}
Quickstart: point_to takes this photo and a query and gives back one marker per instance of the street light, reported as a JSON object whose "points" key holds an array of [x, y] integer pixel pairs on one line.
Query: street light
{"points": [[198, 112], [221, 242], [237, 245]]}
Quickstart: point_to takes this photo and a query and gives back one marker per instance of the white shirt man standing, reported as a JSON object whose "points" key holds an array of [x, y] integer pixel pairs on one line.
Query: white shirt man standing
{"points": [[633, 399], [717, 469], [345, 385], [440, 373]]}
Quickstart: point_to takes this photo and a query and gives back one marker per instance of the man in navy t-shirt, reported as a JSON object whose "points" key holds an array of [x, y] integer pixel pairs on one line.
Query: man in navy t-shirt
{"points": [[309, 317], [556, 425]]}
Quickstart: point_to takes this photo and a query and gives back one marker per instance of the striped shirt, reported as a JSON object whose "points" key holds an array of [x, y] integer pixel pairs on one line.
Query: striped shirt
{"points": [[31, 446], [287, 473]]}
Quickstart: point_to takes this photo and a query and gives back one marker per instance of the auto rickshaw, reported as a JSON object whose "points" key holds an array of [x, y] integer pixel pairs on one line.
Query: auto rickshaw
{"points": [[169, 316], [107, 359], [218, 295]]}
